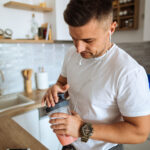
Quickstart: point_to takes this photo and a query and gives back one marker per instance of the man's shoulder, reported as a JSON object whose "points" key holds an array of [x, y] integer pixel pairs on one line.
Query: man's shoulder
{"points": [[123, 62], [71, 50]]}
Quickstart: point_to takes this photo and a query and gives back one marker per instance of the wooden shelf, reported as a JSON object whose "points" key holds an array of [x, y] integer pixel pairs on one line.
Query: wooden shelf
{"points": [[115, 6], [126, 29], [126, 5], [18, 5], [26, 41], [126, 17]]}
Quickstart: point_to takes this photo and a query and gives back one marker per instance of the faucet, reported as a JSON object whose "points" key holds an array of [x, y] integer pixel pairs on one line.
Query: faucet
{"points": [[2, 76]]}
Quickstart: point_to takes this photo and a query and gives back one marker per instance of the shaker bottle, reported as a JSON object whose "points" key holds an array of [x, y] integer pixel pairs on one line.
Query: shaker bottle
{"points": [[63, 107]]}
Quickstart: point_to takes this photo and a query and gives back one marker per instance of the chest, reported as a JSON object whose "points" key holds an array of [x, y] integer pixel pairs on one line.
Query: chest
{"points": [[92, 83]]}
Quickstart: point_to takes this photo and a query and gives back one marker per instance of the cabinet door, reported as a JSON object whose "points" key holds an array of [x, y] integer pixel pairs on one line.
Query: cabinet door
{"points": [[30, 122], [47, 137]]}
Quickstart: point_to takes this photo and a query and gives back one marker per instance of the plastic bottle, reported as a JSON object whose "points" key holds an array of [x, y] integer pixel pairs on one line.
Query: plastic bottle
{"points": [[34, 27], [61, 106]]}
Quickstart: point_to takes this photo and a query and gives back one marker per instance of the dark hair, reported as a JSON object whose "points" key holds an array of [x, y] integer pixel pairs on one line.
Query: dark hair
{"points": [[80, 12]]}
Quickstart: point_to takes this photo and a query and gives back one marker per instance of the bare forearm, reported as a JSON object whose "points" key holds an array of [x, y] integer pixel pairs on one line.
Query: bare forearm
{"points": [[61, 81], [121, 132]]}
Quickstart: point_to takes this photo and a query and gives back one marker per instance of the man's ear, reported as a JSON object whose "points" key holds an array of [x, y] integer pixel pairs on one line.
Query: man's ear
{"points": [[113, 27]]}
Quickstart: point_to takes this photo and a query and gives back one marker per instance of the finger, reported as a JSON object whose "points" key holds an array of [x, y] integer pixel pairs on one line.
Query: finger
{"points": [[59, 115], [51, 100], [57, 121], [44, 98], [66, 87], [43, 101], [73, 113], [47, 102], [58, 126], [54, 94], [60, 131]]}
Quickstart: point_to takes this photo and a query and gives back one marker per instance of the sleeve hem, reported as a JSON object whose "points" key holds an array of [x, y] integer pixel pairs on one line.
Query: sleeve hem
{"points": [[136, 114], [62, 74]]}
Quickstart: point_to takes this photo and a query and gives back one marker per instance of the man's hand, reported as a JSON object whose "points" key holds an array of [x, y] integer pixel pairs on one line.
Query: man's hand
{"points": [[68, 125], [51, 96]]}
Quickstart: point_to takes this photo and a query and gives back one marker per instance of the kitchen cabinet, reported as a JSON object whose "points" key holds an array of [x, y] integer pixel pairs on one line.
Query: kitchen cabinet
{"points": [[59, 27], [30, 122], [47, 137], [126, 14]]}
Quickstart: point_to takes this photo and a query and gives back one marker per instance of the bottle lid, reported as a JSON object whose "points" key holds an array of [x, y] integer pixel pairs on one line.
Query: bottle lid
{"points": [[61, 103]]}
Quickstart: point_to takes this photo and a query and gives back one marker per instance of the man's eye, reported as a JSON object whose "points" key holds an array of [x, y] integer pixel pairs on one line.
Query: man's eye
{"points": [[88, 41]]}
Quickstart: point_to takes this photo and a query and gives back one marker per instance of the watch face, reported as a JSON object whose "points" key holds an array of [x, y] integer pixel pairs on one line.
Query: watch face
{"points": [[86, 130]]}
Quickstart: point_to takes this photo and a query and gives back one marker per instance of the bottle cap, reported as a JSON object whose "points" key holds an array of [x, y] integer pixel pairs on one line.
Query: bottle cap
{"points": [[61, 103]]}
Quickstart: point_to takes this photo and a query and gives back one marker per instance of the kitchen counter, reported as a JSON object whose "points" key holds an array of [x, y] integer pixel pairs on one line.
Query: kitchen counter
{"points": [[14, 136]]}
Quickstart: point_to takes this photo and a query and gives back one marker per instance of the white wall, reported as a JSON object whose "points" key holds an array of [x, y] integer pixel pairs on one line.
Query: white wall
{"points": [[60, 30], [132, 35], [147, 21], [18, 20]]}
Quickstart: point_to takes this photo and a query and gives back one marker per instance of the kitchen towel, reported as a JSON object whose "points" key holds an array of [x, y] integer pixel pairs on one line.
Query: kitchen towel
{"points": [[42, 80]]}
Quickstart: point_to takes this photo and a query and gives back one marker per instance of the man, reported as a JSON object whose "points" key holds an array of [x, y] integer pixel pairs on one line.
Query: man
{"points": [[108, 88]]}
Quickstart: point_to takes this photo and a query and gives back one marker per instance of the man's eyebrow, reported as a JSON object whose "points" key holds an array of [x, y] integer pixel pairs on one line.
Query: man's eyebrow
{"points": [[88, 39]]}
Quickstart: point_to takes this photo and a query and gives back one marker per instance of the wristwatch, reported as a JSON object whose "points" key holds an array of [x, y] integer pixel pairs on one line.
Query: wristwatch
{"points": [[86, 131]]}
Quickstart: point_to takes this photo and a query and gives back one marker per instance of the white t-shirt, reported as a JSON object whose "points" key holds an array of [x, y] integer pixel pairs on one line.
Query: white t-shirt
{"points": [[104, 89]]}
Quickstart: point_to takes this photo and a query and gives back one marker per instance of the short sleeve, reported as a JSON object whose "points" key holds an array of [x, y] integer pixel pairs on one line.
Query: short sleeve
{"points": [[133, 96], [64, 70], [66, 61]]}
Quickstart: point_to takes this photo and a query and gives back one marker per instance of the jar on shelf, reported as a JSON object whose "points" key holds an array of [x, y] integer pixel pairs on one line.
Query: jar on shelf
{"points": [[126, 23], [130, 23], [121, 1], [124, 1], [125, 12], [121, 13], [42, 3], [129, 1]]}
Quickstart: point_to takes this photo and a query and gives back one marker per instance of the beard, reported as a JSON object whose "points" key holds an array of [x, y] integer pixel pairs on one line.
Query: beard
{"points": [[92, 54], [86, 55]]}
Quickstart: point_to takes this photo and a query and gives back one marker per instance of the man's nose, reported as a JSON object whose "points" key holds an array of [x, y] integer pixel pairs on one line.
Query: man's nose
{"points": [[80, 46]]}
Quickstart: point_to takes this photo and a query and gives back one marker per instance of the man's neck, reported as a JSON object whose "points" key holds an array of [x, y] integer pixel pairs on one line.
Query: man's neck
{"points": [[107, 48]]}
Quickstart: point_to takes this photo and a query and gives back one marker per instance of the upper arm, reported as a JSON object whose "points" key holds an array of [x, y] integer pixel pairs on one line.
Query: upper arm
{"points": [[133, 95], [142, 124]]}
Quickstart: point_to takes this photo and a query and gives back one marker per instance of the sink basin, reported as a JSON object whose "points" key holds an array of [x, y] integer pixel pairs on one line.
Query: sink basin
{"points": [[11, 101]]}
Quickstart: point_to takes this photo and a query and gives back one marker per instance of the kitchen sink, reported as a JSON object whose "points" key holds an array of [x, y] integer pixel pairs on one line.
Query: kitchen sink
{"points": [[11, 101]]}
